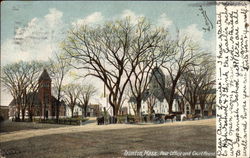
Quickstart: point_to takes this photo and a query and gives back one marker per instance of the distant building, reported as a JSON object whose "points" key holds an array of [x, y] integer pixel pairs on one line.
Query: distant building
{"points": [[93, 110], [160, 104], [4, 113], [156, 90], [44, 103]]}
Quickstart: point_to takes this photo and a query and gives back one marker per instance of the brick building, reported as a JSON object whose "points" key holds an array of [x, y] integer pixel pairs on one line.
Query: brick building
{"points": [[44, 103]]}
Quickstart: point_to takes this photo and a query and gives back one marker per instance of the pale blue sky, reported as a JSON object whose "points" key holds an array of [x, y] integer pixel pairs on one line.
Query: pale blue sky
{"points": [[181, 13]]}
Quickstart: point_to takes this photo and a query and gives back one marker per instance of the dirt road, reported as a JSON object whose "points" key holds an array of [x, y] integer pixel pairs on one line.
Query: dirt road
{"points": [[91, 126]]}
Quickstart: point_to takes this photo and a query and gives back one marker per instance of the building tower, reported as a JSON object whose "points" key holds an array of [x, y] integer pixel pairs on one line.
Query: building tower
{"points": [[157, 78], [44, 94], [157, 83]]}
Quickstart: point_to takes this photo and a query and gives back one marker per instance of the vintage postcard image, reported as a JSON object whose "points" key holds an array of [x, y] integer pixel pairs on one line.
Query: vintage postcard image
{"points": [[124, 79]]}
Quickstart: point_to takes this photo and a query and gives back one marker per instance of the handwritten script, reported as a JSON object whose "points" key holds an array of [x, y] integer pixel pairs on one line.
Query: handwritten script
{"points": [[232, 49], [209, 26]]}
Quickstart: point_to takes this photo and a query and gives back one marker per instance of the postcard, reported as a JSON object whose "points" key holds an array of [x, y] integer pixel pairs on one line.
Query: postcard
{"points": [[125, 79]]}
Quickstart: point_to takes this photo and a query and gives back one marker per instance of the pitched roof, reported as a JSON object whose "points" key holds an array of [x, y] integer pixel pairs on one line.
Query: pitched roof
{"points": [[44, 76], [37, 101]]}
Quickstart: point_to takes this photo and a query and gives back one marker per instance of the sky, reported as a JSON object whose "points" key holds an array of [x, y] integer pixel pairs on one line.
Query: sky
{"points": [[33, 30]]}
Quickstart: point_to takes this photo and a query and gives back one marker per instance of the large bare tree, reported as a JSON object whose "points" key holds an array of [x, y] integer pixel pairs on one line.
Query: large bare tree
{"points": [[111, 52], [145, 62], [87, 91]]}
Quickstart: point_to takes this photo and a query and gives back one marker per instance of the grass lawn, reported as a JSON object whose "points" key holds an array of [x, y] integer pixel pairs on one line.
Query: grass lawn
{"points": [[9, 126], [183, 137]]}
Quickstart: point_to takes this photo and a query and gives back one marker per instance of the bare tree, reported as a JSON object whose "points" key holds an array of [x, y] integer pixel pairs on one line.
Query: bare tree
{"points": [[71, 94], [186, 54], [13, 79], [87, 91], [58, 68], [198, 82], [140, 80], [21, 80], [110, 52]]}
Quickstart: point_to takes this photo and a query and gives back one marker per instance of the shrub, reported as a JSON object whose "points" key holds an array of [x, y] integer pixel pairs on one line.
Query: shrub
{"points": [[66, 121]]}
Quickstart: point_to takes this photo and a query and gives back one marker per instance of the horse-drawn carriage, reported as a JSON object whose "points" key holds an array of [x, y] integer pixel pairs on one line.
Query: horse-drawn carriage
{"points": [[177, 116], [100, 120], [159, 118], [156, 118]]}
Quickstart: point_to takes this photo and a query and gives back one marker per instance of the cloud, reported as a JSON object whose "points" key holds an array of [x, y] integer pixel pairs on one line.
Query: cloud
{"points": [[93, 18], [197, 35], [132, 15], [35, 41], [192, 31], [54, 17], [164, 21]]}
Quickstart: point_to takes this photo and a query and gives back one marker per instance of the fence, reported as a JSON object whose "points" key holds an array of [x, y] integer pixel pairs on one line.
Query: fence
{"points": [[65, 121]]}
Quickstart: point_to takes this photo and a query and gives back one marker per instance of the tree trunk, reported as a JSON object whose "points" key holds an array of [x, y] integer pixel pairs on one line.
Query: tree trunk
{"points": [[170, 105], [150, 112], [115, 111], [114, 105], [171, 100], [72, 112], [23, 114], [30, 115], [138, 107], [18, 113], [85, 110], [57, 110]]}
